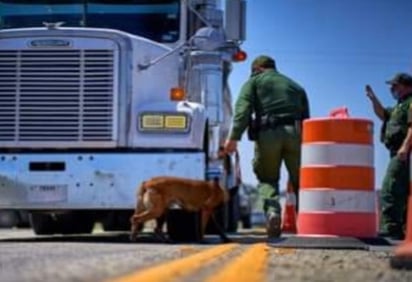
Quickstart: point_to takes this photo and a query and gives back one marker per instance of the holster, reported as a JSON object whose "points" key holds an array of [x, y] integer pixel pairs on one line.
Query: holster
{"points": [[394, 138], [253, 128]]}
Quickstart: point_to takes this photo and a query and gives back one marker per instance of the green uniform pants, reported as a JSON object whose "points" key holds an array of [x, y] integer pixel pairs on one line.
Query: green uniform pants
{"points": [[394, 196], [272, 148]]}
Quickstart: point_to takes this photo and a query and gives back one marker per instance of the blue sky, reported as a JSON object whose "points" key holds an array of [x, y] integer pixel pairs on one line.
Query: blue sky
{"points": [[332, 48]]}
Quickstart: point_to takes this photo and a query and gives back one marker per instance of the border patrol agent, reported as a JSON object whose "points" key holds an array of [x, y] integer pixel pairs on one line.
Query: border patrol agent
{"points": [[396, 134], [279, 105]]}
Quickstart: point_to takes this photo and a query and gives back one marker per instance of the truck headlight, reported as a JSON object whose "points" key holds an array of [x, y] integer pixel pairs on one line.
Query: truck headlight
{"points": [[151, 121], [163, 122]]}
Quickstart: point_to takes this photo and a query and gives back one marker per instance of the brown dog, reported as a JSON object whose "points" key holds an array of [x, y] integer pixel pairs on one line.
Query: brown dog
{"points": [[157, 194]]}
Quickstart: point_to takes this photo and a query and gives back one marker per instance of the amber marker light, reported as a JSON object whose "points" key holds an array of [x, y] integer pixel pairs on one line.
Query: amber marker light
{"points": [[177, 94], [239, 56]]}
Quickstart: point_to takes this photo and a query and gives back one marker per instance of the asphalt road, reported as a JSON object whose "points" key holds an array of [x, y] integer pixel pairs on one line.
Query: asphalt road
{"points": [[111, 257]]}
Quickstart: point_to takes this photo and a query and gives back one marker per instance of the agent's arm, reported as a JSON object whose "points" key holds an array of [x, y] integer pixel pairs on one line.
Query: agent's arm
{"points": [[243, 109], [377, 106]]}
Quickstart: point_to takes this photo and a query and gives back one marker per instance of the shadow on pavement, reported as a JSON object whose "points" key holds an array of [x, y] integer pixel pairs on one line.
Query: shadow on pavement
{"points": [[244, 237]]}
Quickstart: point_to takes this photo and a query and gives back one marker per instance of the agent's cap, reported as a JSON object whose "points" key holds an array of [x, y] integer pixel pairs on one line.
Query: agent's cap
{"points": [[401, 78]]}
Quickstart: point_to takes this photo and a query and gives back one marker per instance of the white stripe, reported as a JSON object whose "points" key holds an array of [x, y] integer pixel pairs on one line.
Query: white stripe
{"points": [[327, 200], [337, 154]]}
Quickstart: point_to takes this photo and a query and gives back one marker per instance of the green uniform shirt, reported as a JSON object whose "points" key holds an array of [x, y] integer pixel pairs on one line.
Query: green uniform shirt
{"points": [[397, 122], [275, 94]]}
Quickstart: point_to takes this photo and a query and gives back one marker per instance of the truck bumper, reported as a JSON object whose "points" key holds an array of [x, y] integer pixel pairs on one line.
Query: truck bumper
{"points": [[87, 181]]}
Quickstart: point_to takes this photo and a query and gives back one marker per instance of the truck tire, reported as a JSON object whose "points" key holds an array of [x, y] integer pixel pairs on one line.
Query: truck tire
{"points": [[8, 218], [66, 223], [23, 219], [183, 226], [87, 221], [117, 221], [75, 222], [42, 223]]}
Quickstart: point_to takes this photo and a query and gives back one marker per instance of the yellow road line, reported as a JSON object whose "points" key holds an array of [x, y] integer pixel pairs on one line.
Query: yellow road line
{"points": [[250, 266], [284, 251], [188, 250], [178, 268]]}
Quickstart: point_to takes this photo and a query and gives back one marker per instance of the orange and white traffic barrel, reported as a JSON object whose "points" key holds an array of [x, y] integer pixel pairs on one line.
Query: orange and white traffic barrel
{"points": [[337, 178]]}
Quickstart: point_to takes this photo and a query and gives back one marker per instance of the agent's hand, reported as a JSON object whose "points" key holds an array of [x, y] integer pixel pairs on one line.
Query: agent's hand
{"points": [[230, 146], [370, 93], [403, 153], [376, 104]]}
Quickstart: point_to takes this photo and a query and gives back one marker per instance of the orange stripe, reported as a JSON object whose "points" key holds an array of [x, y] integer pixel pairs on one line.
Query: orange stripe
{"points": [[356, 131], [356, 178], [339, 224], [409, 217]]}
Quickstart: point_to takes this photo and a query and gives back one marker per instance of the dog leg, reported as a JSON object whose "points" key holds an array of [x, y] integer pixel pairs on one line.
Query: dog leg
{"points": [[205, 218], [135, 224], [136, 221], [207, 214], [220, 230], [156, 209], [158, 231], [139, 209], [160, 221]]}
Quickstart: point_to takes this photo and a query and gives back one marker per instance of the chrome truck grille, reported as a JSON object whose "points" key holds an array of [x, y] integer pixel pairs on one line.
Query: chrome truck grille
{"points": [[56, 97]]}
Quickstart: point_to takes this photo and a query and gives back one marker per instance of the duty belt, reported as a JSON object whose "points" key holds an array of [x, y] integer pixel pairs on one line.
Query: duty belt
{"points": [[270, 121]]}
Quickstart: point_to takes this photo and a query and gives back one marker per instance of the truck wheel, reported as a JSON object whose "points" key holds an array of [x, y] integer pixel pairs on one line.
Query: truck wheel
{"points": [[117, 221], [43, 224], [183, 226], [87, 222], [23, 219], [75, 222], [8, 218]]}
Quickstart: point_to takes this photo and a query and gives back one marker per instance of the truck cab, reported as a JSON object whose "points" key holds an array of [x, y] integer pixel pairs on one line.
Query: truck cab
{"points": [[98, 95]]}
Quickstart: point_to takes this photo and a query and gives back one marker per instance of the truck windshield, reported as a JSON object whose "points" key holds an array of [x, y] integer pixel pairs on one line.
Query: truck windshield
{"points": [[157, 20]]}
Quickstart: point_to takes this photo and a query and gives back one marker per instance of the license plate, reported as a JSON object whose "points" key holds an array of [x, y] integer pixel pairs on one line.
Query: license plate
{"points": [[47, 193]]}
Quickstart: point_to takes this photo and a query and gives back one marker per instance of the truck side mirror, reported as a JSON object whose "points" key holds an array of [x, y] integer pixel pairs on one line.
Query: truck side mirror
{"points": [[235, 20]]}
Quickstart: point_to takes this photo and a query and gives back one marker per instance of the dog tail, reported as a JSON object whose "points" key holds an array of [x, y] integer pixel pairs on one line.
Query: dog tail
{"points": [[142, 188], [140, 195]]}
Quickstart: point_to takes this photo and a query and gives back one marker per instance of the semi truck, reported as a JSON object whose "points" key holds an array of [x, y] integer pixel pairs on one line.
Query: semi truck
{"points": [[98, 95]]}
